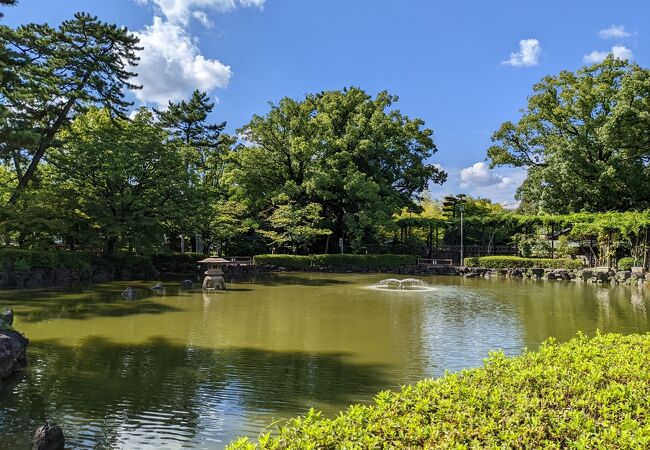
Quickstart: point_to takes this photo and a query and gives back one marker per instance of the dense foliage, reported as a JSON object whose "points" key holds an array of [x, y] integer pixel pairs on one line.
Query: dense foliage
{"points": [[124, 178], [584, 138], [341, 168], [601, 238], [76, 171], [334, 261], [21, 260], [585, 393], [516, 262], [625, 263], [24, 260], [337, 162], [55, 73]]}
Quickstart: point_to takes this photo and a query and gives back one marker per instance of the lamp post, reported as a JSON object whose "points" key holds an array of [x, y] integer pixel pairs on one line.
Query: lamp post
{"points": [[461, 209]]}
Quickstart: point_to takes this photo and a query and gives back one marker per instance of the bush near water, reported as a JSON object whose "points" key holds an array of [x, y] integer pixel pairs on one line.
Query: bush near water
{"points": [[625, 263], [22, 260], [583, 394], [310, 262], [515, 262]]}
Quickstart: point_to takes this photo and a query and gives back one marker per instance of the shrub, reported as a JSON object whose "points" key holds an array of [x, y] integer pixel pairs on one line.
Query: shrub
{"points": [[515, 262], [585, 393], [301, 262], [625, 263], [23, 260], [291, 262]]}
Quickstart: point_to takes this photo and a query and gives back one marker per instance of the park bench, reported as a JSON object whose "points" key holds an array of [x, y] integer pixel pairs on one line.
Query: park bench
{"points": [[428, 262]]}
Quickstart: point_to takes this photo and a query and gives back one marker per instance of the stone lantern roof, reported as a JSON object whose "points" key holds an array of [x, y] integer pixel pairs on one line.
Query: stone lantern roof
{"points": [[215, 260]]}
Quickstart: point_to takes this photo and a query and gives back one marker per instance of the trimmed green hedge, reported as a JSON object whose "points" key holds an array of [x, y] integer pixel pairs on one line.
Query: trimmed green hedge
{"points": [[187, 257], [515, 262], [22, 260], [585, 393], [300, 262]]}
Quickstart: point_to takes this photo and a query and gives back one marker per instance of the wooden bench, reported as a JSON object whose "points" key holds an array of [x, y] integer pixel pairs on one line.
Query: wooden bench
{"points": [[435, 262], [241, 260]]}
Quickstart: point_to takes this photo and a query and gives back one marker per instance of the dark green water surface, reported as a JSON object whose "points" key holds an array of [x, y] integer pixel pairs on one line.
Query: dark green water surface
{"points": [[184, 369]]}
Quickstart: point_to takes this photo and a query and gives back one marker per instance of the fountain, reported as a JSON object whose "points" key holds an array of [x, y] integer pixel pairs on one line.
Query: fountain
{"points": [[405, 284]]}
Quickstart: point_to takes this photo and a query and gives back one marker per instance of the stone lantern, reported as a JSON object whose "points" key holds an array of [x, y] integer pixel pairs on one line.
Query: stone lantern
{"points": [[214, 274]]}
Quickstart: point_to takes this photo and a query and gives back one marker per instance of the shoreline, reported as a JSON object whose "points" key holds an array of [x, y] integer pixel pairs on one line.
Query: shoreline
{"points": [[39, 278], [587, 275]]}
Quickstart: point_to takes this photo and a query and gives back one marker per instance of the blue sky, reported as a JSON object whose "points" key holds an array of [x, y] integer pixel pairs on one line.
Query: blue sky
{"points": [[463, 66]]}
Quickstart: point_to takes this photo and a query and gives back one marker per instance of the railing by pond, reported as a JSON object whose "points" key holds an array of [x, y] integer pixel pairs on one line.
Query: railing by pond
{"points": [[482, 250]]}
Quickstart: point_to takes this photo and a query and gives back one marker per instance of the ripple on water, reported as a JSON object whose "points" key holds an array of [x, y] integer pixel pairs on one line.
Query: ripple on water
{"points": [[195, 374]]}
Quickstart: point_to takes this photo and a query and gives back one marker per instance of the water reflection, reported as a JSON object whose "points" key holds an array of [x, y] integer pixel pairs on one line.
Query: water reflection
{"points": [[462, 326], [188, 369], [166, 392]]}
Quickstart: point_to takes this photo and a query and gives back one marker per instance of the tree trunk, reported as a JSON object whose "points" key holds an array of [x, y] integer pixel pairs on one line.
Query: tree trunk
{"points": [[109, 245], [46, 142]]}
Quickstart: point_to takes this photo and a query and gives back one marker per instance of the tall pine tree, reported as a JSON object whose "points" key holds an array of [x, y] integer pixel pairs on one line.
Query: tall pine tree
{"points": [[55, 73]]}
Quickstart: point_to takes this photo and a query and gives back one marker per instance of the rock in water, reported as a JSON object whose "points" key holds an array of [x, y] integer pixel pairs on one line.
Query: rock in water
{"points": [[7, 317], [13, 347], [48, 437]]}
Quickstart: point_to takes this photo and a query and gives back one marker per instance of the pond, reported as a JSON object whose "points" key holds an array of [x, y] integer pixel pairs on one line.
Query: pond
{"points": [[184, 369]]}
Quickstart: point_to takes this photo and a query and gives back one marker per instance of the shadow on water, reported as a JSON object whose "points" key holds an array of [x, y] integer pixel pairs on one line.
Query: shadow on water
{"points": [[101, 391], [283, 279], [37, 306]]}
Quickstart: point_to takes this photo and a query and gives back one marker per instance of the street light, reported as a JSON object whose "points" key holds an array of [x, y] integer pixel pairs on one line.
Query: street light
{"points": [[461, 209]]}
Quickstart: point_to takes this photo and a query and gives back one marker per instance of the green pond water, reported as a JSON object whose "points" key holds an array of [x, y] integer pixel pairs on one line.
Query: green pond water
{"points": [[184, 369]]}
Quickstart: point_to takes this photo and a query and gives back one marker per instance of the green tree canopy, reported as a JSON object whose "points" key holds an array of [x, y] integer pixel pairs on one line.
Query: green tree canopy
{"points": [[55, 72], [204, 149], [128, 178], [585, 140], [354, 155]]}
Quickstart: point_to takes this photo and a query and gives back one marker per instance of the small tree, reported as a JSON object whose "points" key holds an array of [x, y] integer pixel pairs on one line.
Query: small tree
{"points": [[295, 227], [127, 177]]}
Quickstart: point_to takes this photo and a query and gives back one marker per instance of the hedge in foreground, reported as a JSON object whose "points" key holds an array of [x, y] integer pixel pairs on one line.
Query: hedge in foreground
{"points": [[515, 262], [301, 262], [585, 393]]}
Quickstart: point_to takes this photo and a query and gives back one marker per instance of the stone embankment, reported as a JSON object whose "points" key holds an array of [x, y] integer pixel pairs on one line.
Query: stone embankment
{"points": [[49, 277], [624, 277], [599, 276]]}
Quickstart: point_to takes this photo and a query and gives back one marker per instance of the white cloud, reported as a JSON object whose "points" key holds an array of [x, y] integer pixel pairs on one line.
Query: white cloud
{"points": [[618, 51], [510, 204], [180, 11], [480, 174], [202, 17], [171, 65], [528, 54], [500, 188], [614, 32]]}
